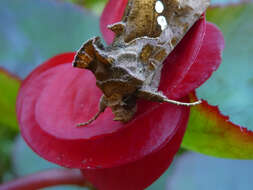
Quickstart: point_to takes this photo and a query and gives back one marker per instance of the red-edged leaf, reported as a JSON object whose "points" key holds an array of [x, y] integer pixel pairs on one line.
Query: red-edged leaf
{"points": [[231, 87], [209, 132], [55, 97], [112, 13], [208, 60]]}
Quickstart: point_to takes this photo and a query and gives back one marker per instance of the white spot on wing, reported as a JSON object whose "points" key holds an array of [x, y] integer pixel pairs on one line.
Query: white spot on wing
{"points": [[161, 20], [159, 7]]}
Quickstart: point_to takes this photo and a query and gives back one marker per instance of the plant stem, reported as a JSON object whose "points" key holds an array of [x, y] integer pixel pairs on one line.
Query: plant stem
{"points": [[47, 178]]}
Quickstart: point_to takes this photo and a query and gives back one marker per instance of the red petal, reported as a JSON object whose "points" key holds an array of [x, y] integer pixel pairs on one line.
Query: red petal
{"points": [[179, 62], [208, 60], [137, 175], [112, 13], [55, 97]]}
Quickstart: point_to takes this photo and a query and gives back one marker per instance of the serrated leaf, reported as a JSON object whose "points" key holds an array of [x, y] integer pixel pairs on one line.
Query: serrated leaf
{"points": [[231, 87], [211, 133]]}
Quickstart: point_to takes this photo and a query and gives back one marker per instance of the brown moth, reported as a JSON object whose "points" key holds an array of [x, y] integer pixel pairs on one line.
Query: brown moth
{"points": [[130, 68]]}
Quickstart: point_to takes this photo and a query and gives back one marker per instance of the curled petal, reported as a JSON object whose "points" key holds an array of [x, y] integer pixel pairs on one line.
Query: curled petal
{"points": [[55, 97], [207, 61], [140, 174], [179, 62]]}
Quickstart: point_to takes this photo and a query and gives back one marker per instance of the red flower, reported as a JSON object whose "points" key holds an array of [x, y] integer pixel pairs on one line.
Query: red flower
{"points": [[55, 97]]}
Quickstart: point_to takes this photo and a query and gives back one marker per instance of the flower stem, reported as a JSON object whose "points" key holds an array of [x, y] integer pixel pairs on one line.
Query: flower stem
{"points": [[47, 178]]}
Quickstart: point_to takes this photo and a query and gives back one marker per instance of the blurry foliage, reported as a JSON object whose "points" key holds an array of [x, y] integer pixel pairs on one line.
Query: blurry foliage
{"points": [[32, 31], [9, 86], [22, 167], [95, 5], [193, 171], [98, 5], [8, 123]]}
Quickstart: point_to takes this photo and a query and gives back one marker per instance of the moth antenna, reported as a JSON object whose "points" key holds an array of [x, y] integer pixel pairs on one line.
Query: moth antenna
{"points": [[149, 94], [183, 103]]}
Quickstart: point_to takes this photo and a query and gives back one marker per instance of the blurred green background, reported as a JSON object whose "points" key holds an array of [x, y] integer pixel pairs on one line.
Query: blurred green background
{"points": [[31, 31]]}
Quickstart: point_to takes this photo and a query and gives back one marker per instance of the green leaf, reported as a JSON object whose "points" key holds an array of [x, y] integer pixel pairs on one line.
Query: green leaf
{"points": [[8, 123], [211, 133], [95, 5], [230, 87], [9, 86]]}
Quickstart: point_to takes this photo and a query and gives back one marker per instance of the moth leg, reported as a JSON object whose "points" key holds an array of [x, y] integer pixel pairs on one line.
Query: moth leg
{"points": [[155, 96], [102, 107]]}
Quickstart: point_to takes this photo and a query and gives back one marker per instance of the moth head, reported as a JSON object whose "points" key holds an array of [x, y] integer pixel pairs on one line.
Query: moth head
{"points": [[92, 56], [85, 55], [82, 60]]}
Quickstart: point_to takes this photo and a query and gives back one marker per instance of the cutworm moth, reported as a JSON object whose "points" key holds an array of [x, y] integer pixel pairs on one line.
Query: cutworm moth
{"points": [[130, 68]]}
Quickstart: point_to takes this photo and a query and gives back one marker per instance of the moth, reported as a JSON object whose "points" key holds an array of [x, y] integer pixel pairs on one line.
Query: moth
{"points": [[130, 68]]}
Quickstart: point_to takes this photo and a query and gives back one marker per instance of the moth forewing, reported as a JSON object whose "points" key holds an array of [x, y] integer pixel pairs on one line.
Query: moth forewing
{"points": [[130, 67]]}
